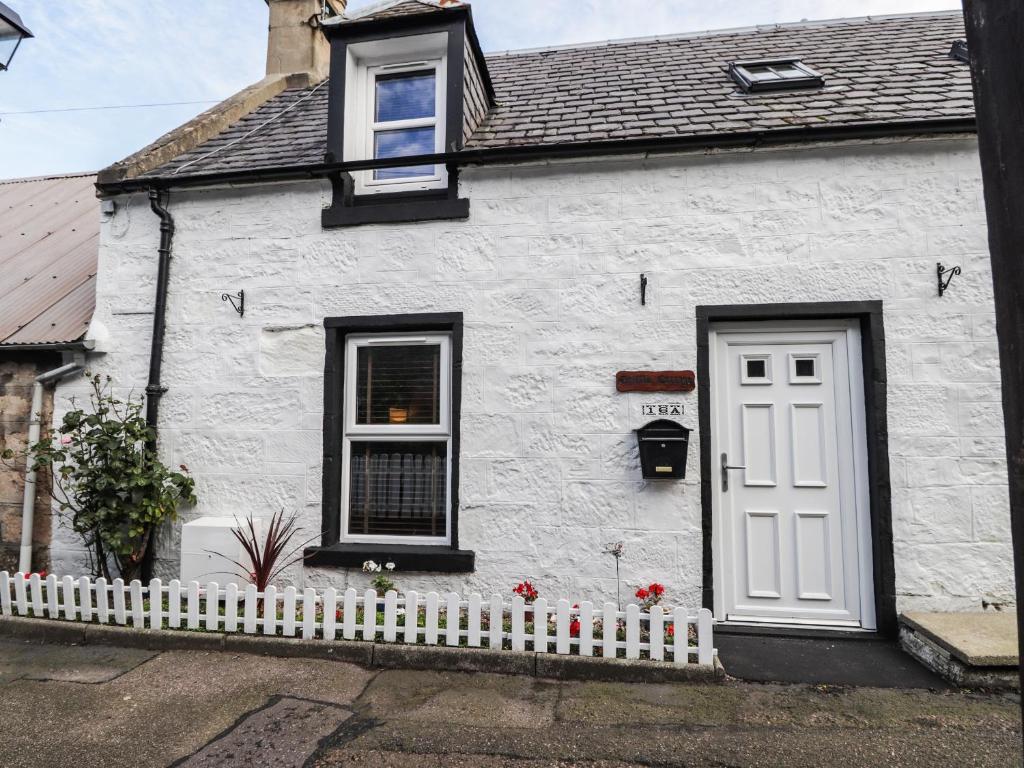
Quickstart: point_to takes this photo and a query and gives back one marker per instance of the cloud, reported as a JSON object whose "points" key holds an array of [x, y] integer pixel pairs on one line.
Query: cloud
{"points": [[97, 52]]}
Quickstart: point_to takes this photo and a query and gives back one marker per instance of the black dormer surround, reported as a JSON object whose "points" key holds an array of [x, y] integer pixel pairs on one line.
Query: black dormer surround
{"points": [[348, 208]]}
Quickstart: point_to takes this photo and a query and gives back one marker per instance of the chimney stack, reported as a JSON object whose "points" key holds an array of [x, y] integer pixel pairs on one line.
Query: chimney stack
{"points": [[295, 43]]}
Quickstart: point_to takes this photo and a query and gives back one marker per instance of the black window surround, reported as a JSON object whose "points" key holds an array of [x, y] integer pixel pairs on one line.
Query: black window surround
{"points": [[869, 315], [347, 207], [407, 557], [740, 72]]}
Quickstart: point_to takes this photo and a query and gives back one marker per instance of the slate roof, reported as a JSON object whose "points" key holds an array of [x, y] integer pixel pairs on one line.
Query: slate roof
{"points": [[876, 69], [49, 240]]}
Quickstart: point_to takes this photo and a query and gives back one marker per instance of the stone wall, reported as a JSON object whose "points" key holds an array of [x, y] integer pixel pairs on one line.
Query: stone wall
{"points": [[546, 271], [17, 373]]}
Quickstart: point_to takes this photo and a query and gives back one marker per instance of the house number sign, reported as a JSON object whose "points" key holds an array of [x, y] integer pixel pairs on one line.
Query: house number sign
{"points": [[661, 409], [655, 381]]}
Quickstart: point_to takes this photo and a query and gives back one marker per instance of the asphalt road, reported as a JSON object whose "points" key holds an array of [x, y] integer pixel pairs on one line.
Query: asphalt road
{"points": [[95, 706]]}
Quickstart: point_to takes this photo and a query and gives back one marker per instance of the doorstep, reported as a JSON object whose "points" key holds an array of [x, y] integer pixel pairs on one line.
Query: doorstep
{"points": [[971, 650], [366, 654]]}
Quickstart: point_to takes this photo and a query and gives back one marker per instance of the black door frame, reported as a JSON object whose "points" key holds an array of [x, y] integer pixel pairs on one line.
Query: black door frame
{"points": [[869, 315]]}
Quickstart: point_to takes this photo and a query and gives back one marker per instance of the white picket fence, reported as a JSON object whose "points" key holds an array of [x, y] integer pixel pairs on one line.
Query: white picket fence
{"points": [[655, 634]]}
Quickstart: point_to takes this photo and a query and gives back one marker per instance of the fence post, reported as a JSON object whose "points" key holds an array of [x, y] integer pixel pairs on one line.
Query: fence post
{"points": [[5, 593], [68, 589], [330, 613], [705, 648], [231, 607], [138, 613], [562, 627], [251, 605], [656, 627], [52, 598], [212, 619], [120, 616], [430, 628], [412, 616], [610, 628], [192, 605], [85, 598], [540, 625], [270, 610], [586, 617], [518, 623], [370, 615], [680, 637], [36, 592], [348, 616], [174, 604], [20, 599], [102, 599], [288, 612], [156, 604], [308, 613], [473, 621], [496, 623], [452, 619], [632, 631], [390, 616]]}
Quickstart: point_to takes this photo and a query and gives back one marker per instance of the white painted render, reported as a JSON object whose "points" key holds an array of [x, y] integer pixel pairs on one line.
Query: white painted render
{"points": [[546, 270]]}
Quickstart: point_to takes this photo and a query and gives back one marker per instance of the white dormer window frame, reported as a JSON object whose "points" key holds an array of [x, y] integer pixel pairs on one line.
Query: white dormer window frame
{"points": [[365, 128]]}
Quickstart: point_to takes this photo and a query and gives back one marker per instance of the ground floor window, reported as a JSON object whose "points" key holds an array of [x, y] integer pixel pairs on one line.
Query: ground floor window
{"points": [[397, 441], [392, 399]]}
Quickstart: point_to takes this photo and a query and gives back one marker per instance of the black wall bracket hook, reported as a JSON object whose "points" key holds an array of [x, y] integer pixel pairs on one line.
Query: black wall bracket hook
{"points": [[952, 272], [643, 290], [237, 302]]}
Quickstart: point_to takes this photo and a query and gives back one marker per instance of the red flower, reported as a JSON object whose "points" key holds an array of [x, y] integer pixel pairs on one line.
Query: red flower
{"points": [[671, 630], [642, 593], [656, 589], [574, 628], [526, 590], [337, 615]]}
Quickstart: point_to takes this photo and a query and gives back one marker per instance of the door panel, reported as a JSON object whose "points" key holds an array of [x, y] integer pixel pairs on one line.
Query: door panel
{"points": [[789, 521]]}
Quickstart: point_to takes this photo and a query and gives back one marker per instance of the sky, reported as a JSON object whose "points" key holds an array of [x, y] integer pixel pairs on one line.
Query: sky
{"points": [[103, 53]]}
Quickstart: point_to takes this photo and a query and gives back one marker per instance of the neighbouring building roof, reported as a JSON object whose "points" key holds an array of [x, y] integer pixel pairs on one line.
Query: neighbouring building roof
{"points": [[891, 69], [391, 9], [49, 237]]}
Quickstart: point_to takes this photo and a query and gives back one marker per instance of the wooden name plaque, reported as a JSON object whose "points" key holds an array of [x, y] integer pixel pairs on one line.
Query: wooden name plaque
{"points": [[655, 381]]}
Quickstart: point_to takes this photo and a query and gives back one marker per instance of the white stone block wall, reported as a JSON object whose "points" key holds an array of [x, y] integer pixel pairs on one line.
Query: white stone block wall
{"points": [[546, 272]]}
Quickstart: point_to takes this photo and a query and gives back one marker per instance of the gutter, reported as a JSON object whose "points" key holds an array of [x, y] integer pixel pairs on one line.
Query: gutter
{"points": [[514, 154], [85, 345], [28, 502]]}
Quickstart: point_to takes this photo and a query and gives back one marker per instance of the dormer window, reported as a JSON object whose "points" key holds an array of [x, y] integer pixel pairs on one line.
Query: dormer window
{"points": [[408, 80], [404, 116], [774, 75]]}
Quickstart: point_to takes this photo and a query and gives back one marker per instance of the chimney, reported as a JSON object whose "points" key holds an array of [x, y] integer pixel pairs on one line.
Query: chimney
{"points": [[295, 43]]}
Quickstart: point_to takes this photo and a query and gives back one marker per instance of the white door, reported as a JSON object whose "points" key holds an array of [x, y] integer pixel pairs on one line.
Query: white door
{"points": [[792, 522]]}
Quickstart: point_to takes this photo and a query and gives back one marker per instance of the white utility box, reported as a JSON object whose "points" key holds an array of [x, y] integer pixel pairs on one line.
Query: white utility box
{"points": [[208, 548]]}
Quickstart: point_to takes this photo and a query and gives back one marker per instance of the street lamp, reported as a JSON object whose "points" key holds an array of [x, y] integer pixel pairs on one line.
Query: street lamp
{"points": [[12, 32]]}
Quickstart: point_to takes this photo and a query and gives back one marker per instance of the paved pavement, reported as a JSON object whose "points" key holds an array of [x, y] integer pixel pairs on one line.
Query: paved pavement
{"points": [[95, 706]]}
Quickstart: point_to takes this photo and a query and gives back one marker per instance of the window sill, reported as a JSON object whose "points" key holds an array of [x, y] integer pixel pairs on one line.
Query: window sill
{"points": [[406, 557], [349, 209]]}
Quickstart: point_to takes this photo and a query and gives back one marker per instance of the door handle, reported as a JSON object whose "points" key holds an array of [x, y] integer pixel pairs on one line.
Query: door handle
{"points": [[725, 472]]}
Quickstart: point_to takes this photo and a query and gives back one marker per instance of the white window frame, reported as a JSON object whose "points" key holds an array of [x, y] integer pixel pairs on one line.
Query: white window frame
{"points": [[353, 432], [366, 184]]}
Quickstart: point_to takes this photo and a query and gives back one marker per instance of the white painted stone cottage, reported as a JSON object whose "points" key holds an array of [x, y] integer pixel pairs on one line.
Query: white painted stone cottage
{"points": [[425, 368]]}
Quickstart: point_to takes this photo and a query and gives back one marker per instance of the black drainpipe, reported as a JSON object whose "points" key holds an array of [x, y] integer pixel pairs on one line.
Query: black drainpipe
{"points": [[154, 390]]}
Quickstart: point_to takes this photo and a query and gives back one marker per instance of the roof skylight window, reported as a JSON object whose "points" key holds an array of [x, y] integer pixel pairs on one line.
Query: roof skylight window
{"points": [[774, 75], [958, 51]]}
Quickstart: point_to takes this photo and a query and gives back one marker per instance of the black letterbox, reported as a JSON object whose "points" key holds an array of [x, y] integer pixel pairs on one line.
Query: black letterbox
{"points": [[663, 445]]}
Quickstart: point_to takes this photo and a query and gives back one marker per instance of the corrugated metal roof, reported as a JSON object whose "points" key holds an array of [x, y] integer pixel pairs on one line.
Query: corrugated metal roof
{"points": [[49, 239]]}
